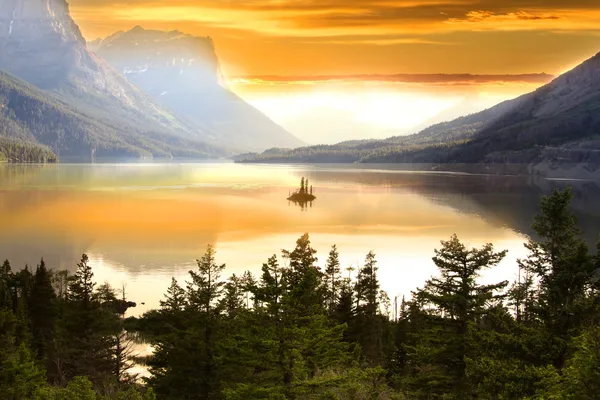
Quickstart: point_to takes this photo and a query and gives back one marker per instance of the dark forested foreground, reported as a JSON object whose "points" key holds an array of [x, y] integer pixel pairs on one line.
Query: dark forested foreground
{"points": [[299, 331]]}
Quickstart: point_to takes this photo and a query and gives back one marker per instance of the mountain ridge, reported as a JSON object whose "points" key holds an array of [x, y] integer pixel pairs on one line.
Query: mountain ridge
{"points": [[558, 115], [41, 44], [34, 121], [182, 72]]}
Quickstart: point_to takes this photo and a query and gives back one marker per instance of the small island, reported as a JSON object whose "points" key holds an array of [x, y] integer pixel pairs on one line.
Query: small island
{"points": [[304, 194]]}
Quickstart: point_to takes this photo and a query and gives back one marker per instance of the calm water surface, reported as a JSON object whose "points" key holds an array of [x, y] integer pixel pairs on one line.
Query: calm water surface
{"points": [[141, 224]]}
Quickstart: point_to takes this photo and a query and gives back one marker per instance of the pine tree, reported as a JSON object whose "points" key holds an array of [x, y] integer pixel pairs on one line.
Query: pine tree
{"points": [[90, 326], [206, 287], [448, 304], [22, 284], [233, 296], [582, 374], [369, 325], [345, 310], [175, 298], [20, 377], [269, 293], [561, 262], [43, 313], [332, 279], [367, 286], [204, 293], [123, 346], [6, 283], [271, 287], [248, 285], [81, 286], [304, 296]]}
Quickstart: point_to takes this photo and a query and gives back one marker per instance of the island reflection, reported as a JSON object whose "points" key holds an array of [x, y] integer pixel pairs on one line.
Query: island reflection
{"points": [[139, 221]]}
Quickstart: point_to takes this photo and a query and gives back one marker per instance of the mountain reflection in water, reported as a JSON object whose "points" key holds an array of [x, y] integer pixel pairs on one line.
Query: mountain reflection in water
{"points": [[143, 223]]}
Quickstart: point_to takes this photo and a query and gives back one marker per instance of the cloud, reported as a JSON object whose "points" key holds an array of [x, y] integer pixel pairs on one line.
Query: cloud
{"points": [[480, 16], [313, 18], [429, 79]]}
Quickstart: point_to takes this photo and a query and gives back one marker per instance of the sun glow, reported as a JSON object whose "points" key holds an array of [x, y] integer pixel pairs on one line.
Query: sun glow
{"points": [[327, 112]]}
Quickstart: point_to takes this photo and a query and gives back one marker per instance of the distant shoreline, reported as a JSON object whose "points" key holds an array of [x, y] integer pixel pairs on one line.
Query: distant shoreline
{"points": [[573, 171]]}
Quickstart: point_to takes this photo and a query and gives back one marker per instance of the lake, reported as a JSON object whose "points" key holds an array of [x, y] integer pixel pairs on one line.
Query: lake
{"points": [[141, 224]]}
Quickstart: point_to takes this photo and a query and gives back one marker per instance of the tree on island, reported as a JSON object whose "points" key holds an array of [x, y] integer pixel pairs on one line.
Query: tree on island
{"points": [[304, 194]]}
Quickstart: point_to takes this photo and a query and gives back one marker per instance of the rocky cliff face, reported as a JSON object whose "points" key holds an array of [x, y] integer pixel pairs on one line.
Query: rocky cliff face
{"points": [[182, 72], [165, 58], [41, 44], [582, 84], [39, 35]]}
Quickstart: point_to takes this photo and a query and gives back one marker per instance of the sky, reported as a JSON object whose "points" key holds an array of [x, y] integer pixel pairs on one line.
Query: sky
{"points": [[271, 52]]}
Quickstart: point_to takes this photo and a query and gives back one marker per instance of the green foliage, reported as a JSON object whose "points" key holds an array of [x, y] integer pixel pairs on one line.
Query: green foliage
{"points": [[332, 279], [302, 332], [20, 377], [582, 373], [17, 150]]}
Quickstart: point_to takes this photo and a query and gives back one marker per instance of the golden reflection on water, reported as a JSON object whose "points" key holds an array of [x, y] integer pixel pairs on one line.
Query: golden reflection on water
{"points": [[142, 224]]}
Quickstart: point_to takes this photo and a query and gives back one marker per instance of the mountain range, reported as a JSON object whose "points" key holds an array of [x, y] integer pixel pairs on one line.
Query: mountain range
{"points": [[46, 61], [147, 93], [183, 73], [559, 123]]}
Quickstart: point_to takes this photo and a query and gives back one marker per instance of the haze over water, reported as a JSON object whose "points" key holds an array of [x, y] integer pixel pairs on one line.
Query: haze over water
{"points": [[141, 224]]}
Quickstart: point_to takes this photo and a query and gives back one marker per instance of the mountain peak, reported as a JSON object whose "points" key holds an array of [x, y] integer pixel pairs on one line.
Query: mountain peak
{"points": [[35, 18], [42, 44], [36, 33], [182, 71]]}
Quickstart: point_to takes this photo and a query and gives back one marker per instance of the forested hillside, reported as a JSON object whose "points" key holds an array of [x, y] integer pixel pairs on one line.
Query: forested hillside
{"points": [[563, 113], [14, 150], [30, 117], [305, 329]]}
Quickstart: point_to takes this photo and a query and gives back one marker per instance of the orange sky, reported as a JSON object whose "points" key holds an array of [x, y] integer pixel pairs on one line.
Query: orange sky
{"points": [[272, 50], [291, 37]]}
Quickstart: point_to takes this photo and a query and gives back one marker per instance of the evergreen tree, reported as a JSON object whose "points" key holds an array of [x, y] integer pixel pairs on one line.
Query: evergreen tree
{"points": [[271, 288], [90, 326], [22, 284], [175, 298], [302, 333], [43, 314], [582, 373], [20, 377], [81, 286], [560, 261], [204, 293], [234, 296], [124, 346], [332, 279], [369, 325], [449, 303], [248, 284], [345, 310], [304, 295], [367, 287], [6, 283]]}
